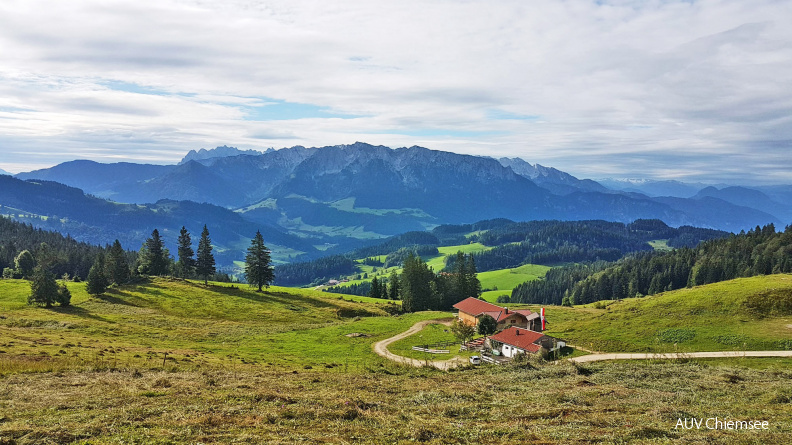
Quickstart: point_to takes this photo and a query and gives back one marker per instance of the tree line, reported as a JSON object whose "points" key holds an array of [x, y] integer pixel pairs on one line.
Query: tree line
{"points": [[51, 253], [760, 251]]}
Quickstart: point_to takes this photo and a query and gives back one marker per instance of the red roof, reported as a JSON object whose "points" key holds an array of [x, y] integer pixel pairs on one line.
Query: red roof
{"points": [[522, 338], [476, 307]]}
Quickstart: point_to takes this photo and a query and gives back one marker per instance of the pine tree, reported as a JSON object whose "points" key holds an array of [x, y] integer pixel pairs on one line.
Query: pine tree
{"points": [[97, 280], [393, 288], [205, 264], [186, 265], [43, 288], [152, 256], [375, 291], [117, 268], [64, 296], [258, 268]]}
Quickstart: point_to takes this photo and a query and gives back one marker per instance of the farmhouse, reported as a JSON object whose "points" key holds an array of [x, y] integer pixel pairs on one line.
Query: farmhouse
{"points": [[471, 309], [513, 341]]}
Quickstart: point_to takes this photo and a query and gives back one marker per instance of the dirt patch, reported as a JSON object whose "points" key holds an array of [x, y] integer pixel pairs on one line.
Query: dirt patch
{"points": [[358, 335]]}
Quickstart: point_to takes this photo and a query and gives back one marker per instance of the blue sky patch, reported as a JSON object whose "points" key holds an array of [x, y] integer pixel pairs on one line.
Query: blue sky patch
{"points": [[278, 110]]}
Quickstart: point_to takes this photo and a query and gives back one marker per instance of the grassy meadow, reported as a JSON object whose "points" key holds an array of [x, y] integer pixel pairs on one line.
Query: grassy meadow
{"points": [[167, 362]]}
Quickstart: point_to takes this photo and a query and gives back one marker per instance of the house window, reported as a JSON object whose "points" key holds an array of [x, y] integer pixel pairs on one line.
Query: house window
{"points": [[512, 321]]}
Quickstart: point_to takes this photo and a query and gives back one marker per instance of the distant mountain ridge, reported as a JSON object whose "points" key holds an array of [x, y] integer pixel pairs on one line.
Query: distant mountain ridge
{"points": [[218, 152], [335, 198]]}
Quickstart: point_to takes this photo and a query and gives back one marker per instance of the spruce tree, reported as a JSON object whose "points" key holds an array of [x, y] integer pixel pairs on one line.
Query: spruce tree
{"points": [[393, 285], [258, 268], [375, 291], [152, 257], [97, 280], [117, 268], [186, 265], [205, 264], [64, 296], [43, 288]]}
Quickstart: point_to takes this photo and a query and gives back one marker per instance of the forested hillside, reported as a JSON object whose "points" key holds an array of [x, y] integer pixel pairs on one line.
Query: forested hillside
{"points": [[553, 242], [64, 253], [761, 251]]}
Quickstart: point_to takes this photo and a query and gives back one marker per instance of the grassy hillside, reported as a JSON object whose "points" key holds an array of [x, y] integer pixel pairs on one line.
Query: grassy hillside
{"points": [[501, 282], [277, 367], [742, 314], [195, 326]]}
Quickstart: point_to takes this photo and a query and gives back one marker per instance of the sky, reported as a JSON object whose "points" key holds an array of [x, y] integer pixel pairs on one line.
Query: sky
{"points": [[659, 89]]}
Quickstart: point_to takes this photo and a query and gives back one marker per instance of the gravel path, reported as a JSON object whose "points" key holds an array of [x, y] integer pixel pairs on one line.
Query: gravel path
{"points": [[678, 355], [381, 348]]}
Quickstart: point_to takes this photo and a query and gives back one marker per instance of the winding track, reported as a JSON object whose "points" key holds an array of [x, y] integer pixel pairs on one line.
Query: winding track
{"points": [[680, 355], [381, 348]]}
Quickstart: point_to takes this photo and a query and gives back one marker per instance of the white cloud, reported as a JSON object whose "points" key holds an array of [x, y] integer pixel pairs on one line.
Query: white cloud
{"points": [[631, 88]]}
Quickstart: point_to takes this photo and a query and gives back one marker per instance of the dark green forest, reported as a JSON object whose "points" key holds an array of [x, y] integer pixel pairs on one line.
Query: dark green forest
{"points": [[555, 242], [760, 251], [66, 256]]}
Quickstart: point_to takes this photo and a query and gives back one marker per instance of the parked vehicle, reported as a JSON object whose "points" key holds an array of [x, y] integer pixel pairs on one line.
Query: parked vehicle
{"points": [[475, 360]]}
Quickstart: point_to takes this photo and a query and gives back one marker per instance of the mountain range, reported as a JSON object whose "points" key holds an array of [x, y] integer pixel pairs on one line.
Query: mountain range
{"points": [[314, 201]]}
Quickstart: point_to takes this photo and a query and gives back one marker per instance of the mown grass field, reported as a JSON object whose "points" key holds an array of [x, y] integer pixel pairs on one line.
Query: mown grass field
{"points": [[501, 282]]}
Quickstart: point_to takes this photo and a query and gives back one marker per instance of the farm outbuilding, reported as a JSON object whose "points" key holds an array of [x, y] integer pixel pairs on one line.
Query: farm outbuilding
{"points": [[513, 341], [471, 309]]}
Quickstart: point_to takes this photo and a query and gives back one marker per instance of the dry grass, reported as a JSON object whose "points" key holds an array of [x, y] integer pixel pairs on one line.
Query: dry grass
{"points": [[603, 403]]}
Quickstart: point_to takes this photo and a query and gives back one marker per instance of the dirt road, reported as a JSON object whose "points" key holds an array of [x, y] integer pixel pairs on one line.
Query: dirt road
{"points": [[381, 348], [681, 355]]}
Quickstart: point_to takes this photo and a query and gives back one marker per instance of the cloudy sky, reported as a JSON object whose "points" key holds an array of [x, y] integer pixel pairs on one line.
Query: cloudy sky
{"points": [[687, 90]]}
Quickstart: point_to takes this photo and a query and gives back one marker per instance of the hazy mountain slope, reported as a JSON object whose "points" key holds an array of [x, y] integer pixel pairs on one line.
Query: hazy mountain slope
{"points": [[106, 180], [747, 197], [70, 211], [558, 182], [190, 181], [719, 214], [652, 187], [361, 191]]}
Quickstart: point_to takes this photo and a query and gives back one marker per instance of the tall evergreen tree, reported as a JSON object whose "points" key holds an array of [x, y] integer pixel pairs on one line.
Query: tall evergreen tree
{"points": [[418, 290], [393, 285], [258, 268], [153, 258], [43, 288], [117, 268], [205, 264], [186, 266], [375, 291], [97, 280]]}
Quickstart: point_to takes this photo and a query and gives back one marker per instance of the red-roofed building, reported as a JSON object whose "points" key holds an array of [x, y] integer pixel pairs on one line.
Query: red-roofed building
{"points": [[512, 341], [471, 309]]}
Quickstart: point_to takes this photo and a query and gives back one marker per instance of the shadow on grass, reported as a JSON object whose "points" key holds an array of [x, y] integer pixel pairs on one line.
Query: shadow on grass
{"points": [[79, 312]]}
